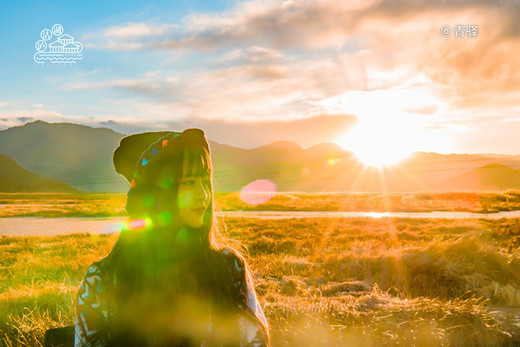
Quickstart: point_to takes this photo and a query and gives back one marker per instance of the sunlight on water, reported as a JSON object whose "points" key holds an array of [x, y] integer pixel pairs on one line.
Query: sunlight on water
{"points": [[378, 214]]}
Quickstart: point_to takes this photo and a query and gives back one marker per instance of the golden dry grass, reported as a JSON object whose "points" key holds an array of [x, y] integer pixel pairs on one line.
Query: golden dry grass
{"points": [[61, 205], [322, 282], [113, 204]]}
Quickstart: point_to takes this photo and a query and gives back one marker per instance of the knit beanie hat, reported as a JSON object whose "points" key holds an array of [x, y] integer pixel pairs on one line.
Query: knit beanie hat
{"points": [[150, 160]]}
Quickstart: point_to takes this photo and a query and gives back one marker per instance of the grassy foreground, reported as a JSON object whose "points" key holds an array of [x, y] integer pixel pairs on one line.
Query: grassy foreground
{"points": [[113, 204], [322, 282]]}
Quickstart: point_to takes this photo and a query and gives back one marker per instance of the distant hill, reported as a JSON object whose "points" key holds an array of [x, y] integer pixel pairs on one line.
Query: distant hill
{"points": [[491, 177], [328, 167], [78, 155], [13, 178], [81, 156]]}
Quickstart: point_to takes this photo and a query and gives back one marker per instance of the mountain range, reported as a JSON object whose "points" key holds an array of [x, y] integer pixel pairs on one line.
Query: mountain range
{"points": [[81, 156], [14, 178]]}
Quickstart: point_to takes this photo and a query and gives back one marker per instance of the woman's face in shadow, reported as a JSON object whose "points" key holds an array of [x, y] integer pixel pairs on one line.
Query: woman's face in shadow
{"points": [[194, 196]]}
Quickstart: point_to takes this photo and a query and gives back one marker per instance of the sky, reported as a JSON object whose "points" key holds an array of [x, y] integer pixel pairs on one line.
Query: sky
{"points": [[387, 77]]}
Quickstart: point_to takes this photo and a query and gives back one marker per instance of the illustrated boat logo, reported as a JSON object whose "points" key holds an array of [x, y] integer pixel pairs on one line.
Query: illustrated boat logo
{"points": [[64, 50]]}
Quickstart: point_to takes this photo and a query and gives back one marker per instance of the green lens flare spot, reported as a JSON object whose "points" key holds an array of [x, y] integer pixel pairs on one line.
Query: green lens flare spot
{"points": [[148, 223], [185, 199], [165, 218], [166, 183]]}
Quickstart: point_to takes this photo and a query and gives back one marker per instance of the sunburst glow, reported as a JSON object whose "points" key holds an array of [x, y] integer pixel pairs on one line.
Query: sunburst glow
{"points": [[382, 142]]}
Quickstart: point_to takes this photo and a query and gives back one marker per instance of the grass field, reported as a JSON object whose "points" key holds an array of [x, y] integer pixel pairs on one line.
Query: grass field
{"points": [[322, 282], [112, 205]]}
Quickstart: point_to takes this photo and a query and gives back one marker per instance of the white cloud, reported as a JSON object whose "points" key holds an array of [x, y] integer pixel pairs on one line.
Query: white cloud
{"points": [[253, 54], [20, 116], [127, 37], [268, 60], [137, 30]]}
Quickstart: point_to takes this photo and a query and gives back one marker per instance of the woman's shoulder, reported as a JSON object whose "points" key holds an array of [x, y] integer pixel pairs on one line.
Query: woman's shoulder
{"points": [[97, 269], [94, 289]]}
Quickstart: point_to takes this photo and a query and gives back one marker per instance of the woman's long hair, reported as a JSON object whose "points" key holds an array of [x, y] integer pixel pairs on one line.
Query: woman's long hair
{"points": [[166, 278]]}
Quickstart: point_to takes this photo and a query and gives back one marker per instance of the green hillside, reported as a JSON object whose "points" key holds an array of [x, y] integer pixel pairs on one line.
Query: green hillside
{"points": [[14, 178]]}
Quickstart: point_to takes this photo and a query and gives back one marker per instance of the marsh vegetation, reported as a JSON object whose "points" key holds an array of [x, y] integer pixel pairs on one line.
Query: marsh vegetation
{"points": [[113, 204], [322, 282]]}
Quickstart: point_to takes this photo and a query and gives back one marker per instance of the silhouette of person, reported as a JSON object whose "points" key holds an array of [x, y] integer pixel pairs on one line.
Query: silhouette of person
{"points": [[171, 279]]}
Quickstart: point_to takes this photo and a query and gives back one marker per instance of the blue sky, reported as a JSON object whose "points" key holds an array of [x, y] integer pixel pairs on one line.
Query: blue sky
{"points": [[32, 84], [376, 76]]}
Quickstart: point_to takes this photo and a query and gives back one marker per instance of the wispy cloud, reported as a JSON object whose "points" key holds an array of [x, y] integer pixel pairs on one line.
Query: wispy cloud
{"points": [[127, 37], [146, 86], [293, 60], [238, 92], [16, 116], [306, 132], [138, 30], [397, 33], [254, 54], [311, 24]]}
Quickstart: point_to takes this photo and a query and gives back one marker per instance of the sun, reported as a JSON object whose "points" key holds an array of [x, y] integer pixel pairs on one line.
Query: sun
{"points": [[381, 143], [380, 157]]}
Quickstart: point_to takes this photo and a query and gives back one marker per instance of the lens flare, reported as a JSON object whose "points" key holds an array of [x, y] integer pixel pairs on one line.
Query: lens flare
{"points": [[133, 224], [166, 183], [165, 218], [185, 199], [333, 161], [138, 224], [258, 192]]}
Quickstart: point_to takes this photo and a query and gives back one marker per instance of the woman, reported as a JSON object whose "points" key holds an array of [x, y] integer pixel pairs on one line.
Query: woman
{"points": [[171, 278]]}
